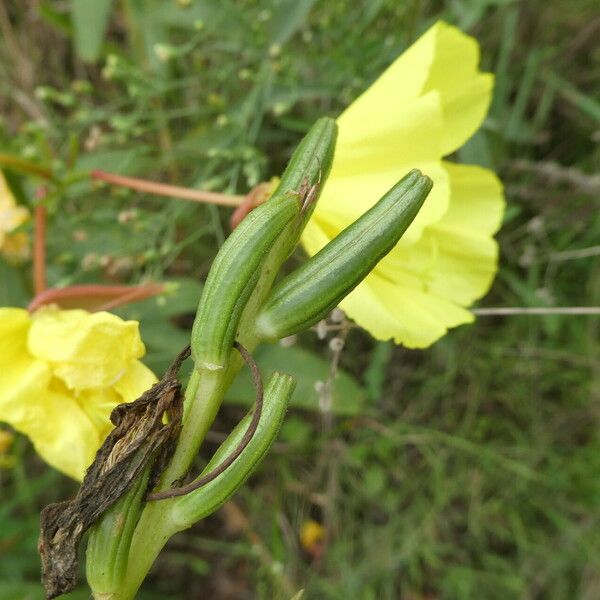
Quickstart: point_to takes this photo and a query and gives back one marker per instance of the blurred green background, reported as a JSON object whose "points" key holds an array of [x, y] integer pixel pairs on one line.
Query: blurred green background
{"points": [[468, 470]]}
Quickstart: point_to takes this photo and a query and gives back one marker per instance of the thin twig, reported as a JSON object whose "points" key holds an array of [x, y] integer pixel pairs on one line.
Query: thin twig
{"points": [[114, 295], [24, 166], [249, 433], [39, 250], [537, 310], [165, 189], [332, 446], [574, 254], [136, 294]]}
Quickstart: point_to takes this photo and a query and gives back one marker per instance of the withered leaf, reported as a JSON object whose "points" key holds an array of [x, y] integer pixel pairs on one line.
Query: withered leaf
{"points": [[140, 437]]}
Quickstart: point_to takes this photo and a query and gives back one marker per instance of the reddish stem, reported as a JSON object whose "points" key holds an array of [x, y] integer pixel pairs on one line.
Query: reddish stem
{"points": [[256, 196], [165, 189], [95, 296], [39, 250]]}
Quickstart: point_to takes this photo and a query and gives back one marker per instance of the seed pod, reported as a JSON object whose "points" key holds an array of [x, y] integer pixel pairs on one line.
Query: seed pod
{"points": [[196, 505], [314, 289], [271, 230]]}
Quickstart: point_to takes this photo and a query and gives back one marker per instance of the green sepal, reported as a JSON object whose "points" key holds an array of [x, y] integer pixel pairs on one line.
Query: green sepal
{"points": [[196, 505], [314, 289]]}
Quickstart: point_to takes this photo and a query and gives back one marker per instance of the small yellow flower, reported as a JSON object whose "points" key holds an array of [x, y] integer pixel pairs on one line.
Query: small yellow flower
{"points": [[14, 245], [423, 107], [63, 371], [312, 535]]}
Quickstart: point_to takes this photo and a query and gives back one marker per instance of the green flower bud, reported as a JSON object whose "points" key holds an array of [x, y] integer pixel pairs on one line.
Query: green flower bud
{"points": [[260, 243], [198, 504], [307, 171], [110, 538], [232, 279], [309, 293]]}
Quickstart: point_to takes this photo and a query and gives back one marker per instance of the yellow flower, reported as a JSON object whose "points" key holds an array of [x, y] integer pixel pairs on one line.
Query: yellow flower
{"points": [[312, 535], [63, 371], [423, 107], [13, 244]]}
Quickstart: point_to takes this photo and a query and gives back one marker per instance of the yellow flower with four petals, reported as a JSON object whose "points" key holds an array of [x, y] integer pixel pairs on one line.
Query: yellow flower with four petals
{"points": [[422, 108], [63, 373]]}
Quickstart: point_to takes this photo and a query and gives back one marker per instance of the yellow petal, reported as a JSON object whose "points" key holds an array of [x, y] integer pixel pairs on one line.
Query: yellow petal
{"points": [[403, 313], [97, 404], [14, 325], [24, 379], [63, 434], [135, 381], [425, 105], [402, 82], [456, 258], [467, 254], [11, 215], [477, 200], [345, 199], [86, 350], [443, 60], [400, 133], [314, 237], [465, 92]]}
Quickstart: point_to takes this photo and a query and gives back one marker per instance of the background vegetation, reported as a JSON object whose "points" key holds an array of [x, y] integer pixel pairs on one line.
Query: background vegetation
{"points": [[469, 470]]}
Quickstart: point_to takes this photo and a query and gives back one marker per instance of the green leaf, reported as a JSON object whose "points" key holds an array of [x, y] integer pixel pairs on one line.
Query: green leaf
{"points": [[292, 14], [90, 20], [12, 290], [307, 369]]}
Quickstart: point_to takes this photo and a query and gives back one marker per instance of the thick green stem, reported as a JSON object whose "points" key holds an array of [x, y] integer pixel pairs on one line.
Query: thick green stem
{"points": [[204, 396]]}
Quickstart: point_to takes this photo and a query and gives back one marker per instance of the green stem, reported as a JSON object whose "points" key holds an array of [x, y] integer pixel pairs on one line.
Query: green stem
{"points": [[204, 395]]}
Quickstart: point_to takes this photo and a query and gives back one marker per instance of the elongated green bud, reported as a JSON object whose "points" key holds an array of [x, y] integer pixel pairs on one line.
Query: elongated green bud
{"points": [[110, 538], [314, 289], [232, 279], [198, 504], [307, 171], [260, 243]]}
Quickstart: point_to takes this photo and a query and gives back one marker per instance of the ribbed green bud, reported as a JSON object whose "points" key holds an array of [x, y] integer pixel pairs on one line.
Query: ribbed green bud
{"points": [[260, 243], [232, 279], [307, 171], [200, 503], [309, 293], [110, 538]]}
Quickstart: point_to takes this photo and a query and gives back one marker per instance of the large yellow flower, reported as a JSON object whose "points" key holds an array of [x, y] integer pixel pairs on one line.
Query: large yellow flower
{"points": [[423, 107], [14, 245], [63, 371]]}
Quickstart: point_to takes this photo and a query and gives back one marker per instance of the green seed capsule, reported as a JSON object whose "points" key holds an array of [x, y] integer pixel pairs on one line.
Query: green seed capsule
{"points": [[314, 289]]}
